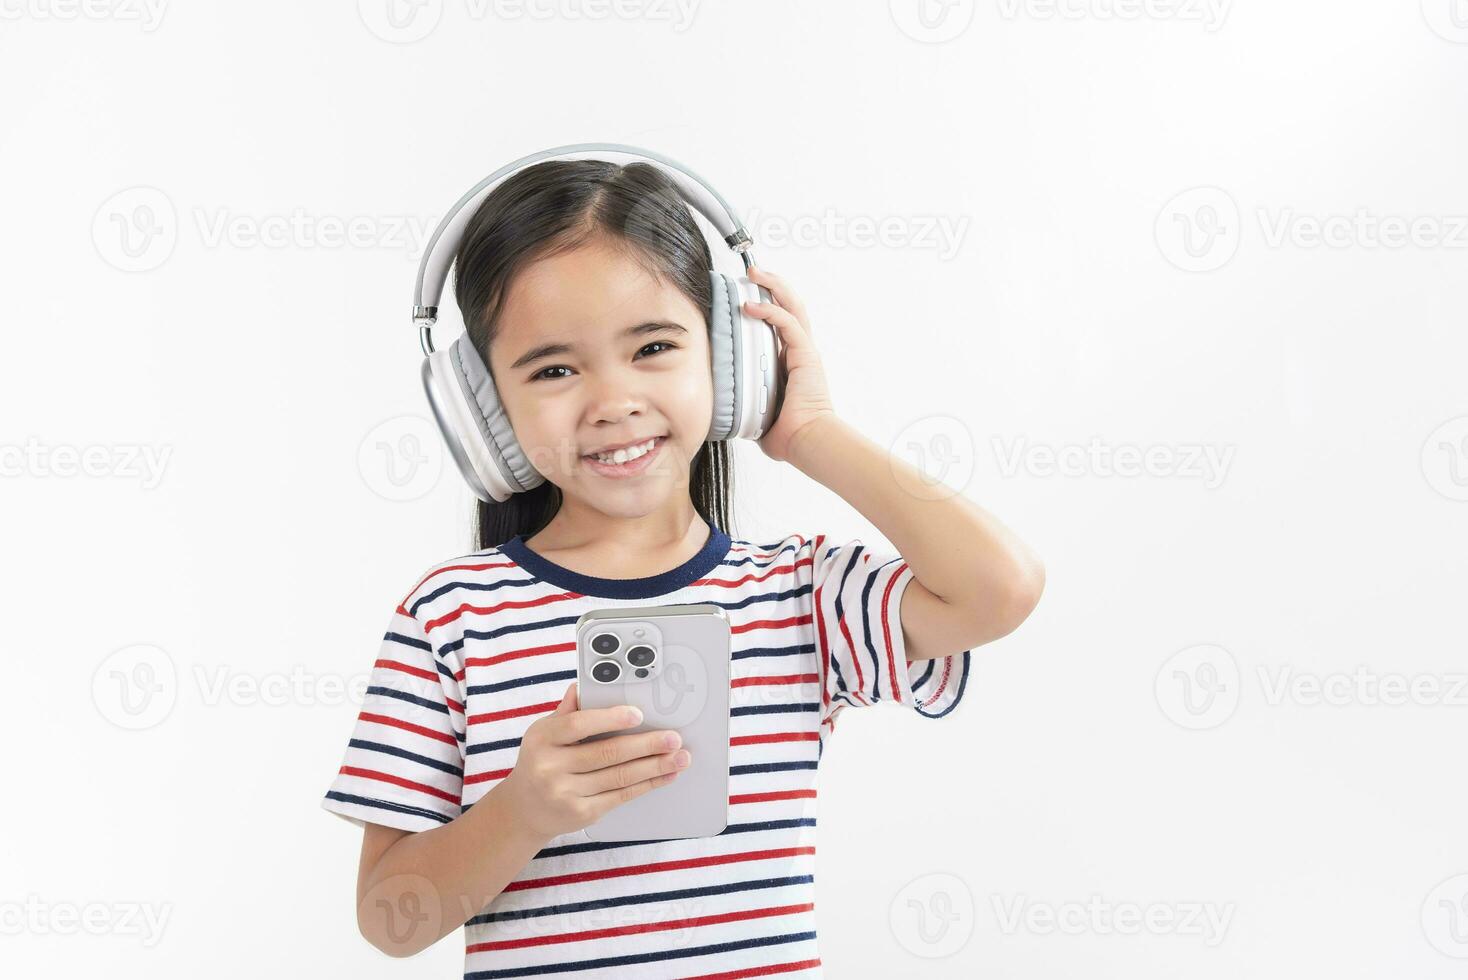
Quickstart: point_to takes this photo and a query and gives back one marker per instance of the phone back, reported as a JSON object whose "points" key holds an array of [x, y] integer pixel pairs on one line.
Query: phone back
{"points": [[682, 684]]}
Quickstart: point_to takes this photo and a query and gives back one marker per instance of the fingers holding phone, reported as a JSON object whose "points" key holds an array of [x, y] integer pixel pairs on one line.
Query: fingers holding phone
{"points": [[561, 784]]}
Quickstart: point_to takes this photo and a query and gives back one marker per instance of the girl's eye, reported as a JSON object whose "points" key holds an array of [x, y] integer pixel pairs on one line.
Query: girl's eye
{"points": [[541, 375]]}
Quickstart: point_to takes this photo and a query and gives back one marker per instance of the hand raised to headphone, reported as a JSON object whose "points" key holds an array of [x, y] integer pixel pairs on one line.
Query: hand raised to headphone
{"points": [[807, 396]]}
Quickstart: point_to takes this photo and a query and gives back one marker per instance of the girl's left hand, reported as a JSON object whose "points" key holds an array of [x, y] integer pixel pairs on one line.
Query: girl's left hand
{"points": [[807, 397]]}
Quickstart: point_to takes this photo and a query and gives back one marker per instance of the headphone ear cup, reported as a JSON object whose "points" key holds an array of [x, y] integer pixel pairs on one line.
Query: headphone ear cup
{"points": [[467, 408], [725, 332], [748, 382]]}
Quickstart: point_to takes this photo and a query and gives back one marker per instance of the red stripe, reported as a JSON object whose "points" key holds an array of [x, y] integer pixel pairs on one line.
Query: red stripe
{"points": [[458, 568], [773, 624], [500, 658], [427, 675], [638, 869], [528, 709], [776, 679], [755, 576], [887, 632], [400, 781], [773, 737], [825, 650], [449, 617], [640, 927], [758, 971], [415, 729], [861, 681], [788, 794], [740, 549], [482, 777], [942, 681]]}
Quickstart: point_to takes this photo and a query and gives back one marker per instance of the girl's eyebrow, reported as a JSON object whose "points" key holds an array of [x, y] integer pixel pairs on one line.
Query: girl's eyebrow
{"points": [[561, 347]]}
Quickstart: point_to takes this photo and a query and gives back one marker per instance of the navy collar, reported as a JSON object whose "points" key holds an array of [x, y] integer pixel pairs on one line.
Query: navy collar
{"points": [[714, 551]]}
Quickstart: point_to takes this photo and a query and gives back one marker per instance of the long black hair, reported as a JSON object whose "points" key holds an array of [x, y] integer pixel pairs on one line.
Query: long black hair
{"points": [[556, 206]]}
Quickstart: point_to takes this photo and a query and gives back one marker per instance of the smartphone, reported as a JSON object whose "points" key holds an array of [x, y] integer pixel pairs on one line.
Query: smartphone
{"points": [[673, 663]]}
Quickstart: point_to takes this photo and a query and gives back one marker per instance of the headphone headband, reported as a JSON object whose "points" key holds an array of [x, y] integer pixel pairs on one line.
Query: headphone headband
{"points": [[444, 245]]}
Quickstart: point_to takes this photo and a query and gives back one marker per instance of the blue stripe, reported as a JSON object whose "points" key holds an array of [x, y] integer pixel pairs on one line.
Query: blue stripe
{"points": [[958, 695], [925, 675], [769, 767], [422, 760], [735, 828], [773, 651], [546, 624], [841, 685], [504, 743], [408, 641], [664, 954], [447, 587], [506, 630], [560, 675], [771, 560], [640, 899], [387, 805], [762, 597], [388, 692], [771, 709], [866, 623]]}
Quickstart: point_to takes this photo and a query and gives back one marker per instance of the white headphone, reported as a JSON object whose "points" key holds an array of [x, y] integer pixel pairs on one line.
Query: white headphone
{"points": [[748, 384]]}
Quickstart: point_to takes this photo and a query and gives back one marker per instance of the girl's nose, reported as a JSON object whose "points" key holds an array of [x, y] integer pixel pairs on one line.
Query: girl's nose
{"points": [[614, 399]]}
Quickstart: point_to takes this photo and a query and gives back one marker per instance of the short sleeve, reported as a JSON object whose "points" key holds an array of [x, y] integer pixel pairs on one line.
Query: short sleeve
{"points": [[857, 594], [404, 762]]}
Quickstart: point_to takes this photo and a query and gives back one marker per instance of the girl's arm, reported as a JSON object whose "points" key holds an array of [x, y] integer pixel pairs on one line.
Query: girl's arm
{"points": [[415, 888], [974, 580]]}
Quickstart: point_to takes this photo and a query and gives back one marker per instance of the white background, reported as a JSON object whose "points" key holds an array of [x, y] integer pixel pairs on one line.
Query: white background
{"points": [[1131, 744]]}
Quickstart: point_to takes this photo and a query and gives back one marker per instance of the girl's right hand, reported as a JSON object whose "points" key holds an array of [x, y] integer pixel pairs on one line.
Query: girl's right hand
{"points": [[558, 786]]}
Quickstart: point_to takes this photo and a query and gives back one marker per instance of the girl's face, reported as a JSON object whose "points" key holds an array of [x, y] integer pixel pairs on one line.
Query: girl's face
{"points": [[593, 351]]}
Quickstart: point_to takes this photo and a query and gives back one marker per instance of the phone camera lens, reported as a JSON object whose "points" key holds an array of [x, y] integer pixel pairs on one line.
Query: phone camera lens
{"points": [[641, 656], [605, 643], [606, 671]]}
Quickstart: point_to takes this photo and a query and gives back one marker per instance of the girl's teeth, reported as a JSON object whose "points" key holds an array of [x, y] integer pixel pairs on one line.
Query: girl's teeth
{"points": [[626, 455]]}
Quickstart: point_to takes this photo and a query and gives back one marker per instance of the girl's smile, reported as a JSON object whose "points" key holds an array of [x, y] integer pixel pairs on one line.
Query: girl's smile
{"points": [[649, 450]]}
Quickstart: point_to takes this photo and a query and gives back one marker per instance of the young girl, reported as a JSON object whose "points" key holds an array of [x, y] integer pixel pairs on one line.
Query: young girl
{"points": [[584, 285]]}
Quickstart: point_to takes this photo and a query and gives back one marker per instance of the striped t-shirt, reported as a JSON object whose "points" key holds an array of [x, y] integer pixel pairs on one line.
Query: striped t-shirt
{"points": [[484, 644]]}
